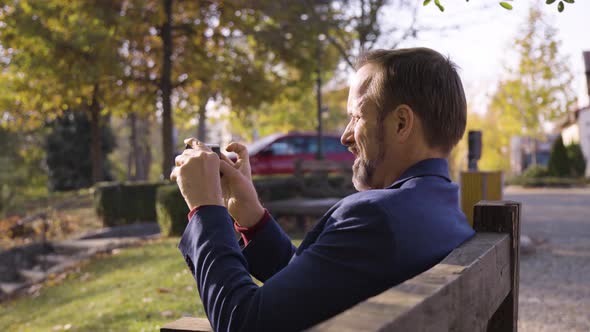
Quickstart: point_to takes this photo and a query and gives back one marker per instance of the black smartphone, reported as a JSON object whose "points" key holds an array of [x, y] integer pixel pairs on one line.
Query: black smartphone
{"points": [[214, 147]]}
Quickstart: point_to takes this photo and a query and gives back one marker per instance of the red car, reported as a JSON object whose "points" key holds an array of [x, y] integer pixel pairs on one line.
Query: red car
{"points": [[277, 153]]}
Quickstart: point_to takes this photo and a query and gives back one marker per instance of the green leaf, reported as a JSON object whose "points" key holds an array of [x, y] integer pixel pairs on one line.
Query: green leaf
{"points": [[549, 2], [560, 6], [569, 1], [506, 5], [426, 2], [440, 7]]}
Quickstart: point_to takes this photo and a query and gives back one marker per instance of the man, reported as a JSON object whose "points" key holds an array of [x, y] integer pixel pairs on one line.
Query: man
{"points": [[407, 110]]}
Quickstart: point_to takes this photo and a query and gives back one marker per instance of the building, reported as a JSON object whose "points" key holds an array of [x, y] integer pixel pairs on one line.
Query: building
{"points": [[577, 130], [524, 151]]}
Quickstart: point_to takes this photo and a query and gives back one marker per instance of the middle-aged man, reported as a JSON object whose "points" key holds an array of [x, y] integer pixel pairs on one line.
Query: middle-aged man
{"points": [[407, 110]]}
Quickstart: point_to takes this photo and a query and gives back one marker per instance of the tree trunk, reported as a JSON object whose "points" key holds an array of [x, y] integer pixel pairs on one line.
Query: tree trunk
{"points": [[133, 151], [202, 129], [534, 154], [166, 90], [96, 144], [144, 156]]}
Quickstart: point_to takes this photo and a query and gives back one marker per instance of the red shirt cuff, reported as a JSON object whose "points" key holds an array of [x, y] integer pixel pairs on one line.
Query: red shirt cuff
{"points": [[248, 233]]}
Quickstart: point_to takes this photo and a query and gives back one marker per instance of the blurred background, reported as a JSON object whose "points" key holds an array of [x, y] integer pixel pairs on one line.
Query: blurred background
{"points": [[96, 97]]}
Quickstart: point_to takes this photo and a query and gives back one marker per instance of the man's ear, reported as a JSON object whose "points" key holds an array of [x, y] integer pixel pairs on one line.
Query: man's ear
{"points": [[404, 120]]}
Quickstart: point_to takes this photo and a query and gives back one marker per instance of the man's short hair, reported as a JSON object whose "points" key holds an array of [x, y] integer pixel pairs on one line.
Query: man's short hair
{"points": [[427, 82]]}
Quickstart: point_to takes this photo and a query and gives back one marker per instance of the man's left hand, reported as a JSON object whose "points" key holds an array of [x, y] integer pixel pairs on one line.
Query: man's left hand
{"points": [[197, 175]]}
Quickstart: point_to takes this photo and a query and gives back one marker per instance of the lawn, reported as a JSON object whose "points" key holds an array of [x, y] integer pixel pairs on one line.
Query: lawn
{"points": [[136, 289]]}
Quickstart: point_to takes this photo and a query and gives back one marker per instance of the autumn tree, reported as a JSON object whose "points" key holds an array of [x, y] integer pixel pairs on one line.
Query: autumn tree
{"points": [[59, 56], [539, 89]]}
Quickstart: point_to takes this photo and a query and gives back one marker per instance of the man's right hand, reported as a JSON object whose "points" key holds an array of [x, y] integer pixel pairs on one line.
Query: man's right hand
{"points": [[239, 193]]}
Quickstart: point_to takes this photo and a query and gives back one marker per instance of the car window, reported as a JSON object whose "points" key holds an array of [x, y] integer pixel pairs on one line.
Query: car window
{"points": [[330, 145], [333, 145], [290, 146]]}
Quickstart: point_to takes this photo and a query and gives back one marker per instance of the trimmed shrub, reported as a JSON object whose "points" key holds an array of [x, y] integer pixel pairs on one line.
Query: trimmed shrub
{"points": [[535, 171], [171, 210], [126, 203], [558, 161], [577, 160], [276, 188]]}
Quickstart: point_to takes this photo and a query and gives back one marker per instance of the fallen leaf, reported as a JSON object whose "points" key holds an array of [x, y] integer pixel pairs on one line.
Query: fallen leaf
{"points": [[163, 290]]}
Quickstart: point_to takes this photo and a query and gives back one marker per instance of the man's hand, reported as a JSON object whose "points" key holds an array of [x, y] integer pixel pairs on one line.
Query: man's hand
{"points": [[197, 175], [238, 190]]}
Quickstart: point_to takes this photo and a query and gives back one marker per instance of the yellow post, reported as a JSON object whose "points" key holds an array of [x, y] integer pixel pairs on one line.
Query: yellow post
{"points": [[477, 186]]}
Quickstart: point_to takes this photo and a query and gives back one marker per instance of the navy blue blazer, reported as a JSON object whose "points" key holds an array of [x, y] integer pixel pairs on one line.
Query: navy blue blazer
{"points": [[365, 244]]}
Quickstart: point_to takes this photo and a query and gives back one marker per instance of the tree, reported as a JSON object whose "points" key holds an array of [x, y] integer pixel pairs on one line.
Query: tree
{"points": [[539, 89], [21, 168], [559, 163], [504, 4], [68, 157], [62, 56], [238, 53]]}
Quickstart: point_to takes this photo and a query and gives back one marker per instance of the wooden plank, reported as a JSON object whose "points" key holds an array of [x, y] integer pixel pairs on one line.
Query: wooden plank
{"points": [[186, 324], [503, 217], [458, 294]]}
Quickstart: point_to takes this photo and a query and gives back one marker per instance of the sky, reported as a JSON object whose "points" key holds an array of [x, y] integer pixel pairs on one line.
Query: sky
{"points": [[482, 45]]}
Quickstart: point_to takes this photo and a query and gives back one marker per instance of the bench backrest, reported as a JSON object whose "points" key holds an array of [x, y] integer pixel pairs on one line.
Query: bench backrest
{"points": [[475, 288]]}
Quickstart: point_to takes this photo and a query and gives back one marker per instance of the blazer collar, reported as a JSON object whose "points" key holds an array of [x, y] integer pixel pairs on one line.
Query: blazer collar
{"points": [[427, 167]]}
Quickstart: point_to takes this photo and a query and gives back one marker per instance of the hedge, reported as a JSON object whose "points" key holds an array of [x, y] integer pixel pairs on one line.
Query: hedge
{"points": [[171, 210], [126, 203]]}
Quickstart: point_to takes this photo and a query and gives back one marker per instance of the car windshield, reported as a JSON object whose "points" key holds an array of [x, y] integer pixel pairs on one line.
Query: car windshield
{"points": [[260, 144]]}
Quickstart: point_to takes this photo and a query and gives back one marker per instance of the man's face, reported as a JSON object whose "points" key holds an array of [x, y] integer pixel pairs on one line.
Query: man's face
{"points": [[363, 131]]}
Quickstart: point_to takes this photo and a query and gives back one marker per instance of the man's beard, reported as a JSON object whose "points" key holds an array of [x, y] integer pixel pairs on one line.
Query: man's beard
{"points": [[363, 171]]}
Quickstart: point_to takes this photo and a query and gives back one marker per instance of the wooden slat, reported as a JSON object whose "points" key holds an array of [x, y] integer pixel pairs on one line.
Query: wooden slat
{"points": [[503, 217], [186, 324], [459, 294]]}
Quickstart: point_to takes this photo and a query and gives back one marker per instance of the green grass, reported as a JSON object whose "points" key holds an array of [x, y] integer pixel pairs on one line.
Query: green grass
{"points": [[129, 291]]}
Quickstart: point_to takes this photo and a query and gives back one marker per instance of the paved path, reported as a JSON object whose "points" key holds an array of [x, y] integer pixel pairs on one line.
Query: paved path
{"points": [[555, 280]]}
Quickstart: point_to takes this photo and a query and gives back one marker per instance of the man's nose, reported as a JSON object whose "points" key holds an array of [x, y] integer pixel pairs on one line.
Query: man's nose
{"points": [[347, 138]]}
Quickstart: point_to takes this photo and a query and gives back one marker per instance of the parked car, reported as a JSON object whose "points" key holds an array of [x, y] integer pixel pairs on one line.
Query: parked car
{"points": [[277, 153]]}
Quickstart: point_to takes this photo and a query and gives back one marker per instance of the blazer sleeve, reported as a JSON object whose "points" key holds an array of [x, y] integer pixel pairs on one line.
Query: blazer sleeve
{"points": [[349, 262]]}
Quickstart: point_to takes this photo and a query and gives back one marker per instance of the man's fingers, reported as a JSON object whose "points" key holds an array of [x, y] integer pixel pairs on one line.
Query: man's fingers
{"points": [[226, 159], [179, 160], [174, 174], [195, 144], [240, 149], [228, 170]]}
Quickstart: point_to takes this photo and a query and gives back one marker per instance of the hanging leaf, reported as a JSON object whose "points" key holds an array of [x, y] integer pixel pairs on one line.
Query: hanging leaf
{"points": [[560, 6], [550, 1], [440, 7], [506, 5], [426, 2]]}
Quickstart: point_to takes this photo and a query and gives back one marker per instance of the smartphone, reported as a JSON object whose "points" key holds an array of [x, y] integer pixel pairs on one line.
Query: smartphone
{"points": [[214, 147]]}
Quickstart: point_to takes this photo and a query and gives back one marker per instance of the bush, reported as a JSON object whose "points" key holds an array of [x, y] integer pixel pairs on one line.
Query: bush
{"points": [[276, 188], [558, 161], [576, 160], [126, 203], [171, 210], [551, 182], [68, 151], [535, 171]]}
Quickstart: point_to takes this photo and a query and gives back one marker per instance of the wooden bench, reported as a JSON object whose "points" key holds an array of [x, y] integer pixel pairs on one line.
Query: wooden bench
{"points": [[475, 288]]}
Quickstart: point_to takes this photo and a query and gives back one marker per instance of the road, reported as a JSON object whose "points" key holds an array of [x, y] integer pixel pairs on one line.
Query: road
{"points": [[555, 279]]}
